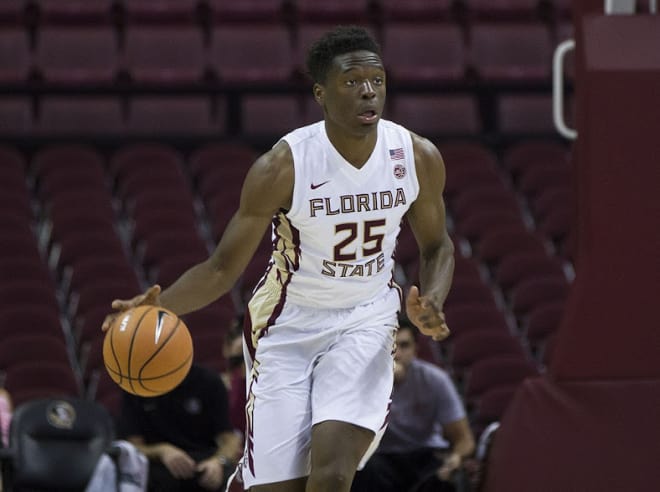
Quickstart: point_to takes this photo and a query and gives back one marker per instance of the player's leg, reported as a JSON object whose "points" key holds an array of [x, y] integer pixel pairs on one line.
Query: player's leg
{"points": [[296, 485], [337, 448], [352, 384]]}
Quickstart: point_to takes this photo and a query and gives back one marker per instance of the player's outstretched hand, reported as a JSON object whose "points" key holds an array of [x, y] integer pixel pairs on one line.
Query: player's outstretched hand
{"points": [[427, 317], [150, 297]]}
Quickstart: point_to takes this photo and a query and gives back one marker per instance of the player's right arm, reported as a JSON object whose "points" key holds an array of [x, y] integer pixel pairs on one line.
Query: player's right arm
{"points": [[268, 187]]}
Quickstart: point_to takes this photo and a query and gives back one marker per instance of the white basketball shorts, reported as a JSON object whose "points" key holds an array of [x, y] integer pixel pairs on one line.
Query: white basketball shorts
{"points": [[312, 365]]}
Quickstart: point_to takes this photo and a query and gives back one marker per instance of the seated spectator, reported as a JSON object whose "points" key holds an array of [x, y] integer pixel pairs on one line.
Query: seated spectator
{"points": [[186, 434], [428, 435]]}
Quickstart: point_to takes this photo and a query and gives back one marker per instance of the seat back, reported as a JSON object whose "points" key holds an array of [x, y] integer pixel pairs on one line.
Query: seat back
{"points": [[56, 443]]}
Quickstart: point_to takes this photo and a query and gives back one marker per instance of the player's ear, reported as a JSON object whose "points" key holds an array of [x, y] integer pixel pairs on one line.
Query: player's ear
{"points": [[319, 93]]}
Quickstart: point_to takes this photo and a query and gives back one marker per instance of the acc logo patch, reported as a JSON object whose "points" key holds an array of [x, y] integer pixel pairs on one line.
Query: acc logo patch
{"points": [[399, 171], [61, 414]]}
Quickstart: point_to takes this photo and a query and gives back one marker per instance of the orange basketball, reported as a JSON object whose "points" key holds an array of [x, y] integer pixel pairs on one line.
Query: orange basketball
{"points": [[148, 351]]}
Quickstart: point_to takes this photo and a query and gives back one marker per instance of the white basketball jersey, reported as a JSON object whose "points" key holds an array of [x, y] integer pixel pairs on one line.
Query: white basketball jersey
{"points": [[334, 248]]}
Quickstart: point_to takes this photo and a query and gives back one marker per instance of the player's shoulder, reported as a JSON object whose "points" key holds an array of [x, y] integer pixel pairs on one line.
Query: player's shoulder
{"points": [[304, 134], [423, 148], [275, 162]]}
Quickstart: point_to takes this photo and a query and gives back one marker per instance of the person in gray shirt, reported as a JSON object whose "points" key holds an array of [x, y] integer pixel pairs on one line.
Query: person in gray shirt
{"points": [[428, 433]]}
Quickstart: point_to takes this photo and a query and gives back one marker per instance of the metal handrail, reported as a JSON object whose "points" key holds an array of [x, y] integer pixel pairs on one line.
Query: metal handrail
{"points": [[558, 89]]}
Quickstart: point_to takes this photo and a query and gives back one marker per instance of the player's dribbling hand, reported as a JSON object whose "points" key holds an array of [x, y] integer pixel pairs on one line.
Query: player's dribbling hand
{"points": [[150, 297], [425, 315]]}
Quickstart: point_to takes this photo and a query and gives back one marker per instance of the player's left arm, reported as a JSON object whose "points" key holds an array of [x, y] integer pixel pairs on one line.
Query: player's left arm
{"points": [[427, 219]]}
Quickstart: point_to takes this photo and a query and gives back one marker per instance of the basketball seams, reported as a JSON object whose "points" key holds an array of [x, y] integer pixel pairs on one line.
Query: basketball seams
{"points": [[157, 351], [129, 356]]}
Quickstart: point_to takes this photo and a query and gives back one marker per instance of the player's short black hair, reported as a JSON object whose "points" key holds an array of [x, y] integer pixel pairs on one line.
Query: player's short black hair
{"points": [[339, 41]]}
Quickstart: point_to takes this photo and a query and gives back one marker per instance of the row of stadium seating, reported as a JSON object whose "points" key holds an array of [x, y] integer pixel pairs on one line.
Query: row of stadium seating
{"points": [[71, 11], [428, 52], [261, 116]]}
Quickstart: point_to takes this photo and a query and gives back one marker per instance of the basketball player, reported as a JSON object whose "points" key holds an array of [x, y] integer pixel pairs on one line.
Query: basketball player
{"points": [[323, 318]]}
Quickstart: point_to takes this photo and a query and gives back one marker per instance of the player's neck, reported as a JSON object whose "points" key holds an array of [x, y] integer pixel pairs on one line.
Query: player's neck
{"points": [[356, 149]]}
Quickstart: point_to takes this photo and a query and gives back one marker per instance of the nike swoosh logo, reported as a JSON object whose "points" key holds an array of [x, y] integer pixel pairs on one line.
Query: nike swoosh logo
{"points": [[159, 325], [313, 186]]}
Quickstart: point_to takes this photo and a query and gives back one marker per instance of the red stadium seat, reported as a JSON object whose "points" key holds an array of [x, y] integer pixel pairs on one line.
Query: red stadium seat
{"points": [[19, 244], [101, 294], [207, 348], [551, 198], [434, 115], [223, 158], [492, 405], [88, 271], [50, 160], [542, 321], [526, 115], [539, 178], [154, 117], [468, 317], [266, 116], [28, 292], [342, 11], [21, 348], [504, 9], [14, 55], [76, 12], [160, 221], [481, 344], [247, 10], [69, 115], [34, 319], [28, 269], [28, 381], [157, 157], [160, 11], [459, 154], [77, 246], [484, 198], [416, 10], [469, 291], [510, 51], [497, 371], [533, 292], [424, 52], [530, 153], [77, 55], [477, 223], [518, 267], [16, 116], [252, 53], [498, 243], [165, 55], [164, 245]]}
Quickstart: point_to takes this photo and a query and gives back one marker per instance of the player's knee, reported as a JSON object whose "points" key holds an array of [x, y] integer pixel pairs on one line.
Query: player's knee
{"points": [[332, 477]]}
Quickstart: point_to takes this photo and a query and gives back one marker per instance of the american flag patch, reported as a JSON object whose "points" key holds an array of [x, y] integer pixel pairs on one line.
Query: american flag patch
{"points": [[396, 154]]}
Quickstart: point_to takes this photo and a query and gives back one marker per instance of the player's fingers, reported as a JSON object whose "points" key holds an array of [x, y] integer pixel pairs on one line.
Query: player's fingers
{"points": [[107, 322], [151, 295], [442, 333], [412, 302]]}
